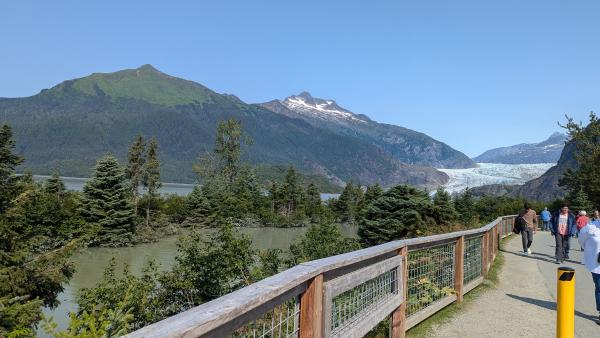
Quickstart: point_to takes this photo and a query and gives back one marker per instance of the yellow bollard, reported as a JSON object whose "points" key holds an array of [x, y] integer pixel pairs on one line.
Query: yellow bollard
{"points": [[565, 303]]}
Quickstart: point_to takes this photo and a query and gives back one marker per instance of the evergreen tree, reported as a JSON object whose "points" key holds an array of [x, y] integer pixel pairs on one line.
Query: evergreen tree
{"points": [[580, 201], [401, 212], [55, 185], [291, 192], [274, 197], [33, 261], [465, 206], [586, 175], [135, 169], [443, 206], [200, 208], [8, 162], [106, 206], [349, 203], [373, 192], [151, 176], [314, 205]]}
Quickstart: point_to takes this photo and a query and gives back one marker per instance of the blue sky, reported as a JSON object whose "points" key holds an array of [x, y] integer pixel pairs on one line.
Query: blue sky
{"points": [[474, 74]]}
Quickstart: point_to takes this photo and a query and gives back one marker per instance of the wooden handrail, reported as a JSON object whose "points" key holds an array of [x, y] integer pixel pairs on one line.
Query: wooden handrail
{"points": [[223, 315]]}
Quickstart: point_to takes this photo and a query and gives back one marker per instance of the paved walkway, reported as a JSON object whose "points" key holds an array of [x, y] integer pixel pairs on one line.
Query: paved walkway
{"points": [[524, 302]]}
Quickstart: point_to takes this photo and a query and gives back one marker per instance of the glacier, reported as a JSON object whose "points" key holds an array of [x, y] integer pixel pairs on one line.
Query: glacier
{"points": [[493, 173]]}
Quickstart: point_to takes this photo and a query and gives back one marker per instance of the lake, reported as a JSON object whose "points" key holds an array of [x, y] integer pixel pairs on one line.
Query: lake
{"points": [[91, 262], [181, 189]]}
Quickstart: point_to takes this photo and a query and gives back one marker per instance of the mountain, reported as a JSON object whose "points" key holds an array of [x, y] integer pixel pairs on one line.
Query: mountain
{"points": [[403, 144], [69, 126], [543, 188], [547, 151]]}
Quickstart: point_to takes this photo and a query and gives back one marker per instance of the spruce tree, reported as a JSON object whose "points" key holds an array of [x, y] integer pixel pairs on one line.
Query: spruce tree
{"points": [[444, 210], [151, 176], [373, 192], [314, 205], [8, 162], [106, 206], [580, 201], [34, 263], [586, 174], [135, 169], [350, 202], [274, 197], [55, 185], [201, 212], [291, 192], [465, 206], [401, 212]]}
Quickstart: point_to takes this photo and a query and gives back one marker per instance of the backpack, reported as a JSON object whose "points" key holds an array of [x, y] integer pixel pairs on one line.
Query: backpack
{"points": [[520, 224]]}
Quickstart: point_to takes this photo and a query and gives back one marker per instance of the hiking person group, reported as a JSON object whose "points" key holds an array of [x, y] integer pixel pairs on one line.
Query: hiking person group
{"points": [[563, 225]]}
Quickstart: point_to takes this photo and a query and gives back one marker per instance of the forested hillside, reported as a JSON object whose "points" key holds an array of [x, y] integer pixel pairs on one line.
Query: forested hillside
{"points": [[66, 128]]}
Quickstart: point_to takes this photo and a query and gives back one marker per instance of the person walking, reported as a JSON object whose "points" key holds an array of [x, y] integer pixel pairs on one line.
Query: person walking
{"points": [[530, 218], [562, 228], [581, 221], [545, 215], [589, 239], [596, 218]]}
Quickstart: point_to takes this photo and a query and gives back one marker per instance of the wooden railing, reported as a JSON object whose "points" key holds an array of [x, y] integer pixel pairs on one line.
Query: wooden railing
{"points": [[348, 295]]}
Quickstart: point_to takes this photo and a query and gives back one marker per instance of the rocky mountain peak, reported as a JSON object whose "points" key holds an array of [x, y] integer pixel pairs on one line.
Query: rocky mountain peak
{"points": [[307, 105]]}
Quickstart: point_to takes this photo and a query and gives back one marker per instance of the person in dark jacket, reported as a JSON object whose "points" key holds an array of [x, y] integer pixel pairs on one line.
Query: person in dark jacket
{"points": [[563, 228]]}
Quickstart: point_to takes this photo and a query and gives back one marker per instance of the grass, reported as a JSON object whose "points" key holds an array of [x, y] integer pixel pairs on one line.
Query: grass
{"points": [[424, 328]]}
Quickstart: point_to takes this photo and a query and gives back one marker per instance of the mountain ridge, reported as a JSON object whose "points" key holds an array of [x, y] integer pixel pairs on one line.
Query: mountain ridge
{"points": [[68, 126], [404, 144], [547, 151]]}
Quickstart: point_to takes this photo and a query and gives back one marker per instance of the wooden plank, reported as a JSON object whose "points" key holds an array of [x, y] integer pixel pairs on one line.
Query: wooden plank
{"points": [[398, 320], [373, 317], [484, 255], [429, 311], [459, 255], [222, 314], [472, 284], [311, 309]]}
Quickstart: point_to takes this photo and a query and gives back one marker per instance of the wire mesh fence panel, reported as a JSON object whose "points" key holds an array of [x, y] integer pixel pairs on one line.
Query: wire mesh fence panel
{"points": [[353, 305], [282, 321], [430, 276], [472, 259]]}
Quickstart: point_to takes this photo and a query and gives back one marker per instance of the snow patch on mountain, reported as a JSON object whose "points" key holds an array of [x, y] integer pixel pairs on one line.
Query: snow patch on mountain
{"points": [[324, 109], [493, 173]]}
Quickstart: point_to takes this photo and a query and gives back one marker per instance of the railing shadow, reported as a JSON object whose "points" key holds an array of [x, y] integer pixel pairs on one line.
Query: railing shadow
{"points": [[548, 305], [532, 256], [535, 255], [552, 257]]}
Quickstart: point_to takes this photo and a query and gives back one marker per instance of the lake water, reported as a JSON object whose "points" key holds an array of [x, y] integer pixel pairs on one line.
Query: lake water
{"points": [[91, 262], [181, 189]]}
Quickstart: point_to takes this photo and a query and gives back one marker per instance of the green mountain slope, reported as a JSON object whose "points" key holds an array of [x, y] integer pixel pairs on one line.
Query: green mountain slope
{"points": [[69, 126]]}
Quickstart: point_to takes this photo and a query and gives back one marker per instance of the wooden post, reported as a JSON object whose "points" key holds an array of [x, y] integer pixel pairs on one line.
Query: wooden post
{"points": [[459, 272], [398, 322], [484, 247], [495, 242], [311, 309]]}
